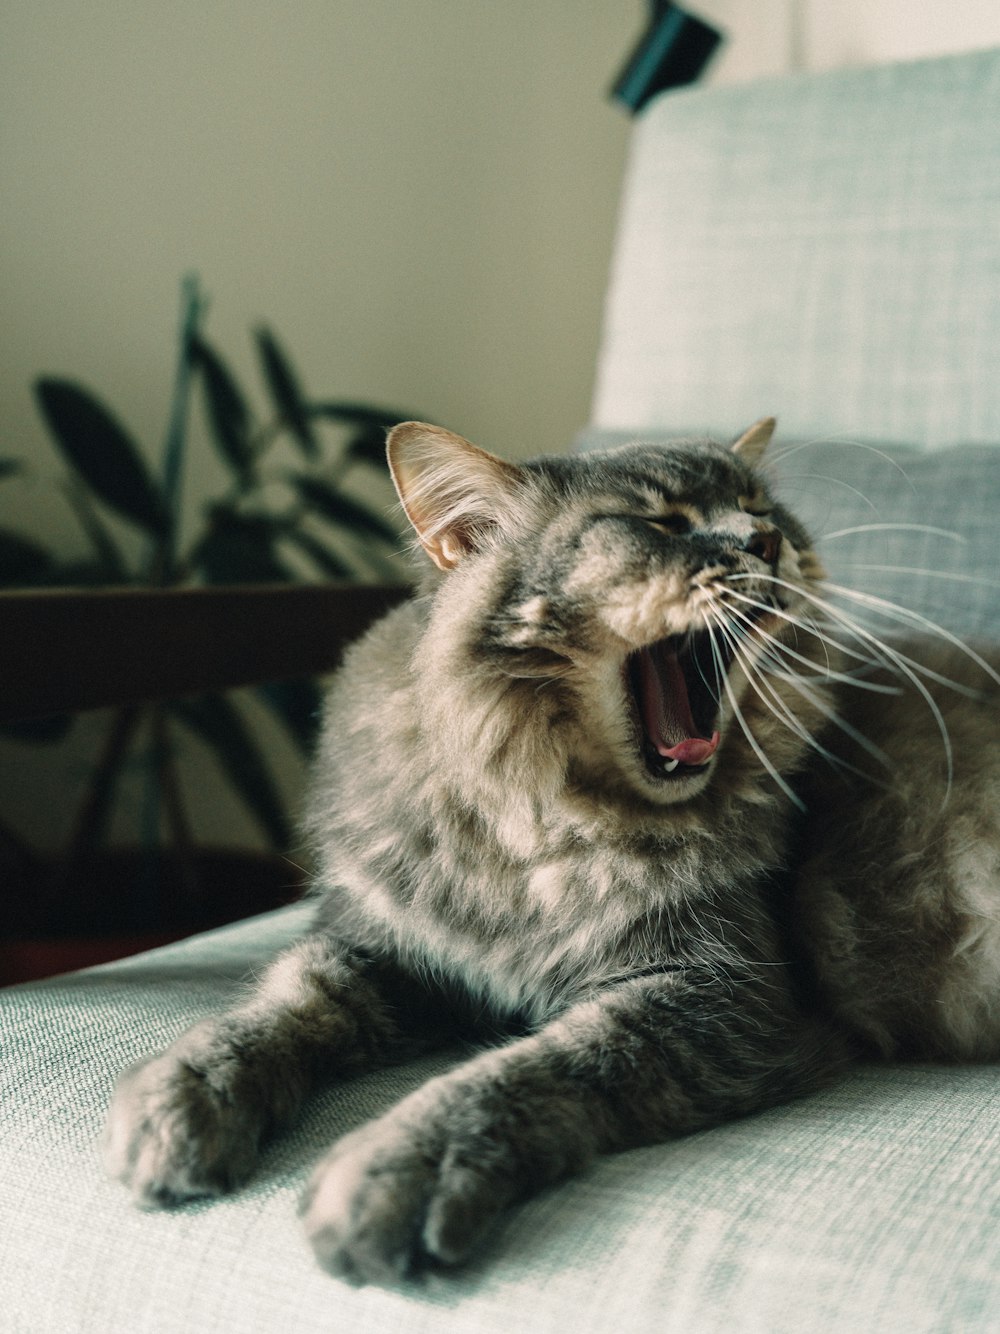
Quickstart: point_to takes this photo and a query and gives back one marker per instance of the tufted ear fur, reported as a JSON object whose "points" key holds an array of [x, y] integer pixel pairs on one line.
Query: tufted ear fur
{"points": [[453, 493], [752, 443]]}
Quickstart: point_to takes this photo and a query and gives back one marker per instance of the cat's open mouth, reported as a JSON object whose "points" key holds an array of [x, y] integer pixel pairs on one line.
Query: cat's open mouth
{"points": [[675, 686]]}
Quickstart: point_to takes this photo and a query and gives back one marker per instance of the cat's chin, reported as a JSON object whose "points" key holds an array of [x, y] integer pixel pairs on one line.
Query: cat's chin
{"points": [[672, 769], [672, 786]]}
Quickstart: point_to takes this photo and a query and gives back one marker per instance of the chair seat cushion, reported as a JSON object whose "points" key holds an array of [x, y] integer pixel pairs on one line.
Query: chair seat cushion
{"points": [[871, 1205]]}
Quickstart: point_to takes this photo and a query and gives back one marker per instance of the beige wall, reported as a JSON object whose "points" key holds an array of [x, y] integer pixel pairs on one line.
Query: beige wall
{"points": [[851, 32], [418, 195], [774, 36]]}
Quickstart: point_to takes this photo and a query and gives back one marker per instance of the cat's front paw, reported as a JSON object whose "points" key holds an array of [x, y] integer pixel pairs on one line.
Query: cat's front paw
{"points": [[175, 1131], [395, 1196]]}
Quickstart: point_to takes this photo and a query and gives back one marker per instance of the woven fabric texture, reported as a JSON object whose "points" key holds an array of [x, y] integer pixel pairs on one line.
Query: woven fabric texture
{"points": [[873, 1206], [826, 248]]}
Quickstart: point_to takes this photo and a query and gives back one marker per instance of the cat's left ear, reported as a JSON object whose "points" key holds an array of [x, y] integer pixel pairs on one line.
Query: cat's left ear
{"points": [[752, 443], [453, 493]]}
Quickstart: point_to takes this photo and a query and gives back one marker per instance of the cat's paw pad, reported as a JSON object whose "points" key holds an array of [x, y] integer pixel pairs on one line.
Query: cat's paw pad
{"points": [[175, 1133], [383, 1205]]}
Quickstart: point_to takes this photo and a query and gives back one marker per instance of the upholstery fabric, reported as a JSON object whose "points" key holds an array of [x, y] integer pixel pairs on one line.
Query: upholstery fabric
{"points": [[828, 249], [822, 247], [872, 1206]]}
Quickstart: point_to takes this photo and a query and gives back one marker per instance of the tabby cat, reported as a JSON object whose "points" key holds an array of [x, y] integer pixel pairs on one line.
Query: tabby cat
{"points": [[618, 782]]}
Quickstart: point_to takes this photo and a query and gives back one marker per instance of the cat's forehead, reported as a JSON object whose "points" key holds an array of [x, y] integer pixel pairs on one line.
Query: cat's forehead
{"points": [[688, 470]]}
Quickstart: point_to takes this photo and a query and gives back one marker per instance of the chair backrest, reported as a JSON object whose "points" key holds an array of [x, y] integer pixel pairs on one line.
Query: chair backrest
{"points": [[824, 247]]}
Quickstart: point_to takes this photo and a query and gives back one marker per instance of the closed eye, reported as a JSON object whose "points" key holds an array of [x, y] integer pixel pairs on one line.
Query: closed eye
{"points": [[675, 524]]}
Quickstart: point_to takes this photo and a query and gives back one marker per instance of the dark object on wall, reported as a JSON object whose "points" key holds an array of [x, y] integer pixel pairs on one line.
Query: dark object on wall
{"points": [[673, 51]]}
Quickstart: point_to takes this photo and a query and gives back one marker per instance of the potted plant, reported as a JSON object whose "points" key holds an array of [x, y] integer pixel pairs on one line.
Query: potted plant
{"points": [[285, 512]]}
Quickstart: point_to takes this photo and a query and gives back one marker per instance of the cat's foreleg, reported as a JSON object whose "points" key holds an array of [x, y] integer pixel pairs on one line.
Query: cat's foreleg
{"points": [[637, 1065], [191, 1120]]}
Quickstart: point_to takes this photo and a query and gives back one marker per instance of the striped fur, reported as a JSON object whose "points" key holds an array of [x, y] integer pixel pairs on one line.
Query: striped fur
{"points": [[613, 782]]}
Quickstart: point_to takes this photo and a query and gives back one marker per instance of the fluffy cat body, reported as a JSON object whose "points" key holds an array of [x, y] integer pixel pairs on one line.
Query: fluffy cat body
{"points": [[615, 780]]}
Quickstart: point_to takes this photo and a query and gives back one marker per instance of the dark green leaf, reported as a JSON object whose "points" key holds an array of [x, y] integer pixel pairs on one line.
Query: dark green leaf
{"points": [[287, 392], [94, 811], [43, 731], [331, 504], [110, 561], [102, 453], [328, 561], [239, 549], [220, 726], [22, 561], [175, 444], [228, 413], [297, 704]]}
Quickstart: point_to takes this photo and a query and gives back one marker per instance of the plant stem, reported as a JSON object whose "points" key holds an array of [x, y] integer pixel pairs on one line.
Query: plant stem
{"points": [[173, 804], [161, 562], [162, 795], [15, 848], [92, 815]]}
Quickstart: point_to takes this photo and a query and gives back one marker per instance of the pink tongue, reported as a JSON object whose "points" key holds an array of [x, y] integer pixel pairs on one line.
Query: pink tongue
{"points": [[692, 751], [666, 708]]}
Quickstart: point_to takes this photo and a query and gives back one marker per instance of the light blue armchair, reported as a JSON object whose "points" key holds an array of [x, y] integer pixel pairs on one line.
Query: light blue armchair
{"points": [[826, 249]]}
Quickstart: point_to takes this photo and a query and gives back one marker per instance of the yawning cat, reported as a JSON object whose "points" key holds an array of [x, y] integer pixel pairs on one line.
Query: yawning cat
{"points": [[619, 781]]}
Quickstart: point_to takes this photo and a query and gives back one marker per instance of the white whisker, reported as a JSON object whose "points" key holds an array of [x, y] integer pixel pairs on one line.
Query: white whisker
{"points": [[828, 673], [853, 444], [906, 666], [800, 684], [784, 714], [890, 610], [955, 575], [834, 481], [737, 713], [894, 610], [895, 660], [895, 528]]}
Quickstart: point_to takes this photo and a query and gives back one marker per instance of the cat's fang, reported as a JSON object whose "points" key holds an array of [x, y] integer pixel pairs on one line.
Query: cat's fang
{"points": [[669, 766]]}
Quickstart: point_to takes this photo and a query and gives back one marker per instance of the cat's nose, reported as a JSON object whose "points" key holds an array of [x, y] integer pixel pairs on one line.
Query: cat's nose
{"points": [[765, 543]]}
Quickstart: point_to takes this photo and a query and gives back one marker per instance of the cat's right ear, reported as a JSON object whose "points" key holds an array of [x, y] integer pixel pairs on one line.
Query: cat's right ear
{"points": [[453, 493], [751, 444]]}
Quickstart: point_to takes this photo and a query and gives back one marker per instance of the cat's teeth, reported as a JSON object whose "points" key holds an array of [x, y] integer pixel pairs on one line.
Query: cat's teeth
{"points": [[670, 765]]}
